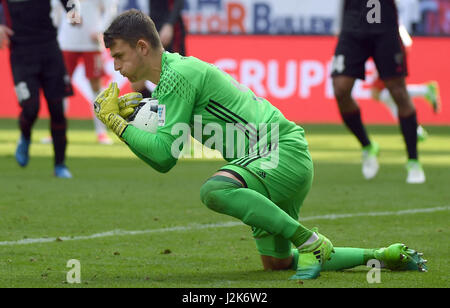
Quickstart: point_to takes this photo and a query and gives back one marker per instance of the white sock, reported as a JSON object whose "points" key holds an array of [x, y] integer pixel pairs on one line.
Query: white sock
{"points": [[314, 237], [100, 128], [386, 99], [417, 90]]}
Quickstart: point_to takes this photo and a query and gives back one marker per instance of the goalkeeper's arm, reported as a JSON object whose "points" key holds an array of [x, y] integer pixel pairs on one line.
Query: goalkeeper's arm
{"points": [[153, 149], [156, 149]]}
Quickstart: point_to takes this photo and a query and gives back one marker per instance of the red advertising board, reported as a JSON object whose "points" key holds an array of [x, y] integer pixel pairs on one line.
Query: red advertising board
{"points": [[292, 72]]}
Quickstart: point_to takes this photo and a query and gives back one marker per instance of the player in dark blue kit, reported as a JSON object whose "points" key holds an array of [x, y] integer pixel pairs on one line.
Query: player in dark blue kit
{"points": [[37, 63], [370, 29]]}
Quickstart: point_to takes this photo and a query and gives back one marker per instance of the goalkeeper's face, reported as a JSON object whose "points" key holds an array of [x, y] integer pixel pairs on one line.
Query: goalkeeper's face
{"points": [[128, 61]]}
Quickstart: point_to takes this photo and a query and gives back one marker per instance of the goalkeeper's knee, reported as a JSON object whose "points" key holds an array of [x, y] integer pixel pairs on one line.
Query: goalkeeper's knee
{"points": [[214, 192]]}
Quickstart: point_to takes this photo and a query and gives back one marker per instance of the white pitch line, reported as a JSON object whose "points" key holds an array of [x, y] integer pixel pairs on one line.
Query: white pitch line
{"points": [[211, 226]]}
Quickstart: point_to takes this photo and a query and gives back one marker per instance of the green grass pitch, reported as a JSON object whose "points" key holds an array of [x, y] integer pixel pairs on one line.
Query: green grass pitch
{"points": [[132, 227]]}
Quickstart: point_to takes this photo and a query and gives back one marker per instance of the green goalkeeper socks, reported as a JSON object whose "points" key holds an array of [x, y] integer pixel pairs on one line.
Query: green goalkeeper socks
{"points": [[345, 258], [227, 196]]}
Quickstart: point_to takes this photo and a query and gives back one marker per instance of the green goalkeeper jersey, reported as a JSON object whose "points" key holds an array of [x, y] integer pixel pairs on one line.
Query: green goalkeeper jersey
{"points": [[197, 99]]}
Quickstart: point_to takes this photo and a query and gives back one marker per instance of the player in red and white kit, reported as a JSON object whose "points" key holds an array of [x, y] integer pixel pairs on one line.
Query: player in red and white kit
{"points": [[83, 42]]}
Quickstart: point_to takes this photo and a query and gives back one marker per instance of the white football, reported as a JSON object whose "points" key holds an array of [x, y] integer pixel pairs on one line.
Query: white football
{"points": [[145, 115]]}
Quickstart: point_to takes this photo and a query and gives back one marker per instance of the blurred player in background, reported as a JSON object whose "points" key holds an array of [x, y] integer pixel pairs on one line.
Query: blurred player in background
{"points": [[83, 42], [251, 187], [436, 15], [166, 14], [37, 63], [367, 33], [409, 14]]}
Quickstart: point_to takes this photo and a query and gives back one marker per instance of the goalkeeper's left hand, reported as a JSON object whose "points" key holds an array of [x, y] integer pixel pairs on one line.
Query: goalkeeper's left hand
{"points": [[106, 109], [128, 102]]}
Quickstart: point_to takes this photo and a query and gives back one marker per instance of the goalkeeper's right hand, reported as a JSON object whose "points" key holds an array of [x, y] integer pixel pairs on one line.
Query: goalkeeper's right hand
{"points": [[106, 109], [128, 102]]}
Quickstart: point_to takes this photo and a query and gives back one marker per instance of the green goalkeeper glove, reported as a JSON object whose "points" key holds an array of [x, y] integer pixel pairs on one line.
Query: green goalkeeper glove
{"points": [[106, 107], [128, 102]]}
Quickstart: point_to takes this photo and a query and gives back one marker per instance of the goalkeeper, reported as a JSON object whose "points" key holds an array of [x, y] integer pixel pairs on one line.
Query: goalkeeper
{"points": [[267, 176]]}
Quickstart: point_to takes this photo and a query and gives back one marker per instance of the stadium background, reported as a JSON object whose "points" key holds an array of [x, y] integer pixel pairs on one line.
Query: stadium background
{"points": [[282, 53]]}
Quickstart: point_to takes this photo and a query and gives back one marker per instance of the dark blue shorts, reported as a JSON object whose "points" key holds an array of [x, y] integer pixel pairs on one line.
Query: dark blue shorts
{"points": [[353, 50], [36, 67]]}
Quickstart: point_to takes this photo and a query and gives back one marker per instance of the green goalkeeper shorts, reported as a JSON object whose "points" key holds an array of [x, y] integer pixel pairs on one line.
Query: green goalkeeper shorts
{"points": [[284, 175]]}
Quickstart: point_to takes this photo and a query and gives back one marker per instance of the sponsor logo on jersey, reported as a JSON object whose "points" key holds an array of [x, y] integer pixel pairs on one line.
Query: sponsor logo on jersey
{"points": [[161, 115]]}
